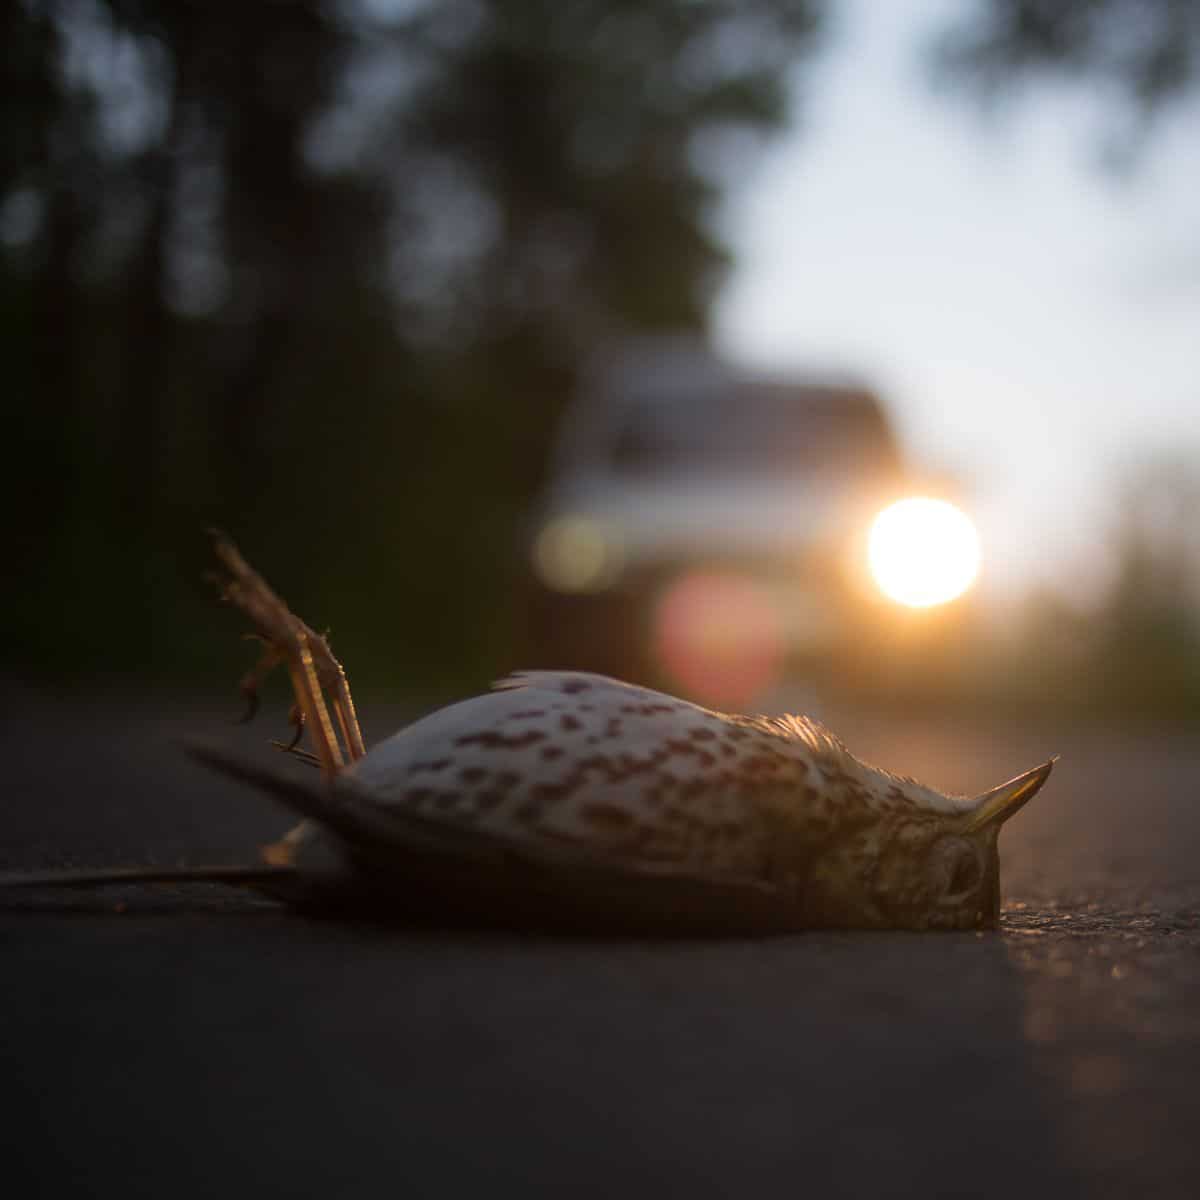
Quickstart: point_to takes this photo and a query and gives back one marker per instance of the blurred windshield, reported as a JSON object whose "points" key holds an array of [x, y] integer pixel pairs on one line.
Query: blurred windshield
{"points": [[756, 428]]}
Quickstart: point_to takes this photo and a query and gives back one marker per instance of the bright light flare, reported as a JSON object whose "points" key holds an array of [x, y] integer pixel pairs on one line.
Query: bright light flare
{"points": [[923, 552]]}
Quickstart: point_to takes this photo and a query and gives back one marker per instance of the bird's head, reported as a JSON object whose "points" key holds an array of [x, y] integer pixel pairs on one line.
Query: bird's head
{"points": [[930, 863]]}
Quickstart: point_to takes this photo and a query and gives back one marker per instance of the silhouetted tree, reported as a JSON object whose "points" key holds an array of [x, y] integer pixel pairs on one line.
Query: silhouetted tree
{"points": [[1146, 50]]}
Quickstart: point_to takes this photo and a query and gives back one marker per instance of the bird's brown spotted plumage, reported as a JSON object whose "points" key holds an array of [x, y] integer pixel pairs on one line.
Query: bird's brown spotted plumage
{"points": [[637, 777]]}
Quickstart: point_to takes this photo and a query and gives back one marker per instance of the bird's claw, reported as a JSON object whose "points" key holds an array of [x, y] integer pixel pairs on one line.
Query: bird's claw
{"points": [[288, 640], [296, 720], [252, 705]]}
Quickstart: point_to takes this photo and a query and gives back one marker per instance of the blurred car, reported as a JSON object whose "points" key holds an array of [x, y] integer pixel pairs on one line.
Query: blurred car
{"points": [[715, 532]]}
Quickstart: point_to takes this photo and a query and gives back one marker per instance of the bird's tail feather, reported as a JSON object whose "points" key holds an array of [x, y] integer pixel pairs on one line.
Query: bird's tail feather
{"points": [[343, 810]]}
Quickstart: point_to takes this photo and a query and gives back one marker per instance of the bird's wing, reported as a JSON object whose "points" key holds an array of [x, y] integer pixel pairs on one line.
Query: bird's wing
{"points": [[581, 761], [427, 867]]}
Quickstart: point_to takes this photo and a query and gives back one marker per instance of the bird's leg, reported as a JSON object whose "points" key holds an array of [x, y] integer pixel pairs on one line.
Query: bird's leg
{"points": [[343, 707], [314, 714], [296, 721], [311, 701], [253, 678], [313, 669]]}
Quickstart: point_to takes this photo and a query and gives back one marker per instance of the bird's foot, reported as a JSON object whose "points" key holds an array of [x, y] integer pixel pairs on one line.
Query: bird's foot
{"points": [[286, 639]]}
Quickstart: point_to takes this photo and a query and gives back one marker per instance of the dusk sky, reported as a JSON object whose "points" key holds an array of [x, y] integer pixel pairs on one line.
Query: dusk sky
{"points": [[1032, 320]]}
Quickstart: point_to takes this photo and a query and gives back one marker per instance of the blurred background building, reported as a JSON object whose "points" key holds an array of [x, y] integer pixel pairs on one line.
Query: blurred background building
{"points": [[330, 276]]}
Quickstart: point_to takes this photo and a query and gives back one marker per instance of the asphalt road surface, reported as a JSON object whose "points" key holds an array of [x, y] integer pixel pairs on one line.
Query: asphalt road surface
{"points": [[167, 1042]]}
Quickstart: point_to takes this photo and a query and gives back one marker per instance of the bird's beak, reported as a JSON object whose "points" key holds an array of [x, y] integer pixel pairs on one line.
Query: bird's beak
{"points": [[996, 806]]}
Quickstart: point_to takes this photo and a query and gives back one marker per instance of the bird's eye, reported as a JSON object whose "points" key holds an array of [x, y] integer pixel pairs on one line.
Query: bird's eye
{"points": [[962, 868], [966, 874]]}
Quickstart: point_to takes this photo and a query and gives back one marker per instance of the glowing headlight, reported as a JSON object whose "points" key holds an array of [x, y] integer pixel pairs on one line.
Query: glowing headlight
{"points": [[577, 554], [923, 552]]}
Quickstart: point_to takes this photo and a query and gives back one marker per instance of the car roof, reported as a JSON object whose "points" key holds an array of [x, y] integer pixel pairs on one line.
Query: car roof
{"points": [[678, 376]]}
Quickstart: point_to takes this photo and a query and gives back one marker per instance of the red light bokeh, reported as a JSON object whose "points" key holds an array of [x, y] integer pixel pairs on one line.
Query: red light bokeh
{"points": [[720, 637]]}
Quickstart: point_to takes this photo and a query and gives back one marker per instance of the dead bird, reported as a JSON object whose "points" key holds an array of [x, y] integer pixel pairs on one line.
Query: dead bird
{"points": [[563, 799]]}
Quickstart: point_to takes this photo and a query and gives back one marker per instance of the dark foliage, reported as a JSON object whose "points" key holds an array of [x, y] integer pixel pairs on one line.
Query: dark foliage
{"points": [[320, 274], [1148, 50]]}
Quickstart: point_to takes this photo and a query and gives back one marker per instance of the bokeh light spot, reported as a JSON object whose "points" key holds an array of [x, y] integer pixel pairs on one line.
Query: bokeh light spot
{"points": [[577, 554], [923, 552], [720, 637]]}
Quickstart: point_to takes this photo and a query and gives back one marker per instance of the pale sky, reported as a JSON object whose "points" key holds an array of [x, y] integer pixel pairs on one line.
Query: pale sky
{"points": [[1031, 321]]}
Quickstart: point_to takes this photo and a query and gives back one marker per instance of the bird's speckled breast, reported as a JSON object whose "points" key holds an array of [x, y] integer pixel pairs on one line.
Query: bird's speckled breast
{"points": [[588, 761]]}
